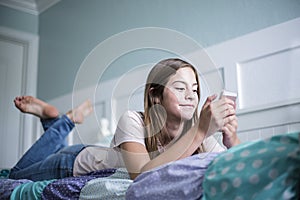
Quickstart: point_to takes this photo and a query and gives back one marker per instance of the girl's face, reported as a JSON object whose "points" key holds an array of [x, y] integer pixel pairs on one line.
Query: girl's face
{"points": [[180, 97]]}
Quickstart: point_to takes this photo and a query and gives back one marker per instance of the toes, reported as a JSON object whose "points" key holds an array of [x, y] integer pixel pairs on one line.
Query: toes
{"points": [[17, 99]]}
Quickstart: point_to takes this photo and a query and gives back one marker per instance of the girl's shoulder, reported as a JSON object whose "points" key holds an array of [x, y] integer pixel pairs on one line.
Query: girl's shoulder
{"points": [[130, 128], [131, 116]]}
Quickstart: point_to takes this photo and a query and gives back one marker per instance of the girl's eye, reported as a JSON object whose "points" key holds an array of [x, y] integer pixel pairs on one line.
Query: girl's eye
{"points": [[195, 91], [180, 89]]}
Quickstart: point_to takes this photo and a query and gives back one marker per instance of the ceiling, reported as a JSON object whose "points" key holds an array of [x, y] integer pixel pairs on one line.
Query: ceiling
{"points": [[34, 7]]}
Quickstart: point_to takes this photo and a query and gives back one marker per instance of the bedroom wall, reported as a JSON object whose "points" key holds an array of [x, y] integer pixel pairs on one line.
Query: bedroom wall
{"points": [[71, 29], [18, 20]]}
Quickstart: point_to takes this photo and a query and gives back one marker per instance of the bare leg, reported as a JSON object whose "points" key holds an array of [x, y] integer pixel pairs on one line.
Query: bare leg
{"points": [[37, 107], [78, 114]]}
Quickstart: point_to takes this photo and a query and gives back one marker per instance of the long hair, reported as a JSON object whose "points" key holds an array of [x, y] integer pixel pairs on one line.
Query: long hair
{"points": [[154, 115]]}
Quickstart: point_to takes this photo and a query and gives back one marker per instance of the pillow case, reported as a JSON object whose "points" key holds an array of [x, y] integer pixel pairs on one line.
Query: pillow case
{"points": [[176, 180], [265, 169]]}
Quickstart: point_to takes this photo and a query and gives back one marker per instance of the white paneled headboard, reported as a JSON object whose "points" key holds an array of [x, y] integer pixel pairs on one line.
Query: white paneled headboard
{"points": [[263, 67]]}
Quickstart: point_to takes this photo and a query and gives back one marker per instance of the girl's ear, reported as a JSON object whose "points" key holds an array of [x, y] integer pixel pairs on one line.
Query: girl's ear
{"points": [[154, 97]]}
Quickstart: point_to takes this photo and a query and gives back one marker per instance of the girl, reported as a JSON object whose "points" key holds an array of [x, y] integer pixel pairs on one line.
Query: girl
{"points": [[168, 130]]}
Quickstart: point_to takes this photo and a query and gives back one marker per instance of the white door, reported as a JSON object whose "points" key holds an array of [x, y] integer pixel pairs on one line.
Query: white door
{"points": [[16, 130]]}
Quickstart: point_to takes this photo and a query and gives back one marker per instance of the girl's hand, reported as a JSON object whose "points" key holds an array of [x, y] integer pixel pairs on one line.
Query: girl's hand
{"points": [[230, 137], [216, 114]]}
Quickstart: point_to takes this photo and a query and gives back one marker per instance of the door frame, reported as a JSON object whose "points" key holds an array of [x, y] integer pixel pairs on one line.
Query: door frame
{"points": [[30, 42]]}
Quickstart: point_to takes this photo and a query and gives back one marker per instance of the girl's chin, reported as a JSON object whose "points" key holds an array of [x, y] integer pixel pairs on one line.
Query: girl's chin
{"points": [[185, 116]]}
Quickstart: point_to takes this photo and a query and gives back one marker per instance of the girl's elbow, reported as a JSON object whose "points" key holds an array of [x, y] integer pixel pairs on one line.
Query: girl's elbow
{"points": [[133, 175]]}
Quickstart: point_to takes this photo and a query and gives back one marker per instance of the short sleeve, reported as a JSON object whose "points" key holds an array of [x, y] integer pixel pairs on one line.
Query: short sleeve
{"points": [[130, 128]]}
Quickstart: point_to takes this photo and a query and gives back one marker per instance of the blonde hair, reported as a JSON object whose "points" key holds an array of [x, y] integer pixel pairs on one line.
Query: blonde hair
{"points": [[154, 115]]}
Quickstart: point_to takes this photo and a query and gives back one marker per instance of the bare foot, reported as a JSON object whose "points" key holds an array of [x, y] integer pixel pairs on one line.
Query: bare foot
{"points": [[37, 107], [78, 114]]}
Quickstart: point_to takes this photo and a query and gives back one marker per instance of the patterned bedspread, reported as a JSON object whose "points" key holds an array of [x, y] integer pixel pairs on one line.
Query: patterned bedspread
{"points": [[103, 184], [266, 169]]}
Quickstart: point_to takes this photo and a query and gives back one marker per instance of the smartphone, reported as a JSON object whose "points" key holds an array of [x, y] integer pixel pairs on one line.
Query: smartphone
{"points": [[228, 94]]}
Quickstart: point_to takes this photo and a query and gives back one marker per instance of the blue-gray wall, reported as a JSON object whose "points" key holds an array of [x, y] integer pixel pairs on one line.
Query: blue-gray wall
{"points": [[18, 20], [72, 28]]}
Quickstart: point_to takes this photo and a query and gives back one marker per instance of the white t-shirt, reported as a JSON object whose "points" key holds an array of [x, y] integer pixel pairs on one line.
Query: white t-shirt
{"points": [[130, 128]]}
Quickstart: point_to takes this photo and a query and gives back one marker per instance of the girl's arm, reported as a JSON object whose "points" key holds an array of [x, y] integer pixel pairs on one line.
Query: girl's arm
{"points": [[137, 159]]}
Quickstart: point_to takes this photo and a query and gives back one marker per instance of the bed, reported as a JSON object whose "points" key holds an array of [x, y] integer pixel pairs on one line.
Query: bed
{"points": [[263, 169]]}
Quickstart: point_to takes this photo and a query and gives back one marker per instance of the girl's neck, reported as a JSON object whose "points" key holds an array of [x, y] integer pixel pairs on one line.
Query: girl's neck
{"points": [[174, 129], [172, 132]]}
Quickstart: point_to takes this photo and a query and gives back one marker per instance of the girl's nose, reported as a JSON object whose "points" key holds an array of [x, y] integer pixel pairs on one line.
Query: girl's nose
{"points": [[189, 94]]}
